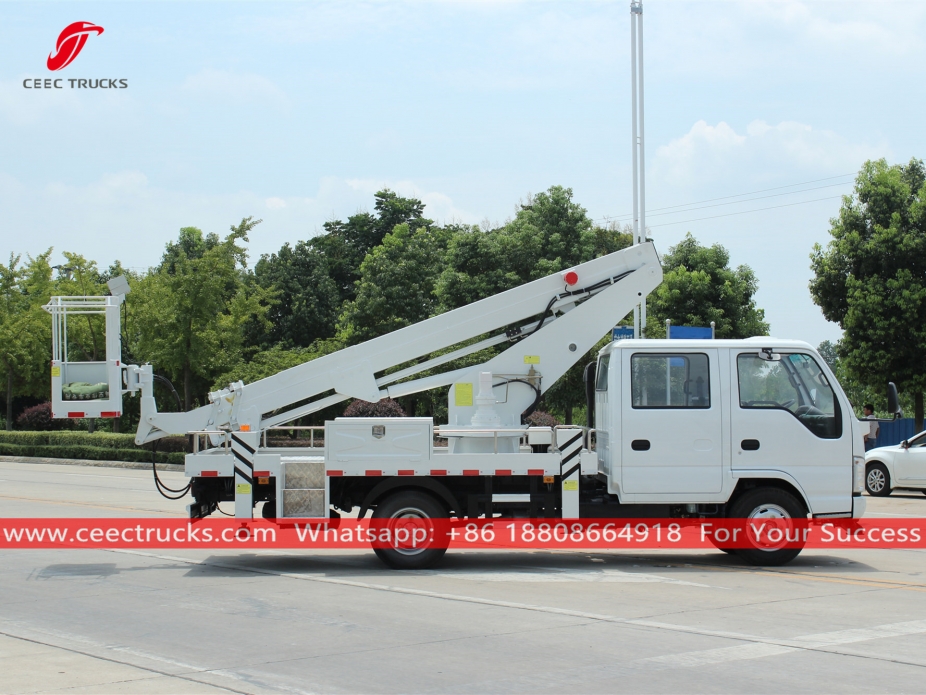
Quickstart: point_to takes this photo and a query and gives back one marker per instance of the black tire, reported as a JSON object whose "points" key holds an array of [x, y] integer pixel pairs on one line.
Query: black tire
{"points": [[418, 508], [774, 504], [877, 480], [269, 510]]}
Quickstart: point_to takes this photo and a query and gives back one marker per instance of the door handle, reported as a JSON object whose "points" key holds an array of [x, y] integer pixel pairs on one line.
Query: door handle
{"points": [[750, 444], [640, 445]]}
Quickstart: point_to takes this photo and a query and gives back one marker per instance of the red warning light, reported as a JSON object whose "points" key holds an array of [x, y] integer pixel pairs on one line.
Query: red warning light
{"points": [[570, 277]]}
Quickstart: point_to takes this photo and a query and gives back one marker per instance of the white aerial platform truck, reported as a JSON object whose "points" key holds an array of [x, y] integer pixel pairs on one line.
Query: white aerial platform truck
{"points": [[755, 428]]}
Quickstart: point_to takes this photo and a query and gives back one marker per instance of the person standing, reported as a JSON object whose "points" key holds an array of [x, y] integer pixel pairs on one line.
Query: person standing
{"points": [[873, 427]]}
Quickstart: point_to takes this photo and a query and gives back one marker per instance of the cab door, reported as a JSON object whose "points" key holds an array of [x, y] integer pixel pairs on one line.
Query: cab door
{"points": [[671, 422], [787, 419]]}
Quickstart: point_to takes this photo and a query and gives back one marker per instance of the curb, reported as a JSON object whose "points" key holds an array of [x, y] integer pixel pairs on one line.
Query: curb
{"points": [[86, 462]]}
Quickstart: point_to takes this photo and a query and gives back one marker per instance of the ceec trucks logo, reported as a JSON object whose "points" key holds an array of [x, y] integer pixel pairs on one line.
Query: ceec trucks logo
{"points": [[71, 42]]}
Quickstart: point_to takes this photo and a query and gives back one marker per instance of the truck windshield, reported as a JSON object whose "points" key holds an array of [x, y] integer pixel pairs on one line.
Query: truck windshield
{"points": [[796, 384]]}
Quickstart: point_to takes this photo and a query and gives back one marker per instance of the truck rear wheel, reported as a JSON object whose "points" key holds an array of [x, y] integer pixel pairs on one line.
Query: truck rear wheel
{"points": [[771, 506], [413, 521]]}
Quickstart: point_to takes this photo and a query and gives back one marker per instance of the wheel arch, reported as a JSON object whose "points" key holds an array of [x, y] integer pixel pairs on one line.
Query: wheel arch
{"points": [[394, 484], [785, 483]]}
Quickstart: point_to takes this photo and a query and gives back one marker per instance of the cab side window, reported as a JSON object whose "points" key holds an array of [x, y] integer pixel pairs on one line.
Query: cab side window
{"points": [[680, 380], [794, 383]]}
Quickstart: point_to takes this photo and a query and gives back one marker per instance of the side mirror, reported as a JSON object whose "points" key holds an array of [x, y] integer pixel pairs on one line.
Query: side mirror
{"points": [[893, 402], [905, 444]]}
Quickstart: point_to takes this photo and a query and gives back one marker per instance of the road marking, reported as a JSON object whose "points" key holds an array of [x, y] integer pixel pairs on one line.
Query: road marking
{"points": [[758, 650], [822, 642], [554, 576], [85, 504], [243, 676], [835, 579]]}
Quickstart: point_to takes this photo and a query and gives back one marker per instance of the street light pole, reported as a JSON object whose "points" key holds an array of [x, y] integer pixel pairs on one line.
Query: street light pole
{"points": [[639, 161]]}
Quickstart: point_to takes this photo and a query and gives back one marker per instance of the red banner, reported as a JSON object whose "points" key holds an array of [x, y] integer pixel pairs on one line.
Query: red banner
{"points": [[478, 534]]}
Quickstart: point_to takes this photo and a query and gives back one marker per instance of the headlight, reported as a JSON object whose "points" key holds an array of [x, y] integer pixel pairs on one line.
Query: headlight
{"points": [[858, 474]]}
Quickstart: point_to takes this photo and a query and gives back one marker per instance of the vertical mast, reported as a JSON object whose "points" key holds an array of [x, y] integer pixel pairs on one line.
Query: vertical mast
{"points": [[639, 164]]}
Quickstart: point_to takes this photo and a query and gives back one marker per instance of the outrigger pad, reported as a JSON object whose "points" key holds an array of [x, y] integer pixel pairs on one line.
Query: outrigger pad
{"points": [[82, 391]]}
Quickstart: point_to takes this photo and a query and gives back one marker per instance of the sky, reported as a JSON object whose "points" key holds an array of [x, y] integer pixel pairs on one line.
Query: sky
{"points": [[297, 112]]}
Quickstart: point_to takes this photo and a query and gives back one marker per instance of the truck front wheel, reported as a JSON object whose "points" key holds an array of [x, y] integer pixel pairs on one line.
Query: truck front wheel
{"points": [[411, 528], [772, 507]]}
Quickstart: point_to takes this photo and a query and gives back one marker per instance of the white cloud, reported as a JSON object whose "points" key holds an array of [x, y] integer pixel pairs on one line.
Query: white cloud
{"points": [[718, 153], [275, 203]]}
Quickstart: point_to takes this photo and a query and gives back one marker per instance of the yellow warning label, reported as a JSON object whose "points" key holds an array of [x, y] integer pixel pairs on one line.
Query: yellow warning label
{"points": [[462, 394], [570, 484], [531, 359], [56, 371], [243, 489]]}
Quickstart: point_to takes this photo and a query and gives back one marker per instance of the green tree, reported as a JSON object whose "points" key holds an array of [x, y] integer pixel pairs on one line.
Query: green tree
{"points": [[871, 278], [195, 306], [25, 329], [396, 286], [699, 287], [346, 244], [549, 233], [263, 364], [309, 298]]}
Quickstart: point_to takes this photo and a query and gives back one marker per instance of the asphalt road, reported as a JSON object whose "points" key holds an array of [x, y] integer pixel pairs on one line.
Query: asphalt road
{"points": [[521, 622]]}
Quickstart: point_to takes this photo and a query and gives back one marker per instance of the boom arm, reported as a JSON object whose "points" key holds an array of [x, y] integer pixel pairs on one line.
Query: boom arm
{"points": [[573, 319]]}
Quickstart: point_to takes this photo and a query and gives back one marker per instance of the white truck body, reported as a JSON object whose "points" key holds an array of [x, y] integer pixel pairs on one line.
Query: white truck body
{"points": [[683, 428]]}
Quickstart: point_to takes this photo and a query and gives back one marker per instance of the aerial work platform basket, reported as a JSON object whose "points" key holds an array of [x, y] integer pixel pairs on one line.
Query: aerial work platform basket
{"points": [[85, 389]]}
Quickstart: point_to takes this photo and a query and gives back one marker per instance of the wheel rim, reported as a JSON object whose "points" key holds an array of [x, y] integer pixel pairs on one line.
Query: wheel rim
{"points": [[777, 523], [876, 480], [406, 526]]}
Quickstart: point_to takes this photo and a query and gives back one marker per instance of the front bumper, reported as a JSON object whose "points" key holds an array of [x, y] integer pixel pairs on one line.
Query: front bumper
{"points": [[858, 507]]}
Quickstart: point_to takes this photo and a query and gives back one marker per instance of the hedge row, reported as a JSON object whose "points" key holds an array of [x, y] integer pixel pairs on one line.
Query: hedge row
{"points": [[99, 446], [97, 440], [93, 453]]}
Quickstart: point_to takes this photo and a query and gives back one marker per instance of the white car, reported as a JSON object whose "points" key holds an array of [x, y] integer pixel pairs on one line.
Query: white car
{"points": [[902, 466]]}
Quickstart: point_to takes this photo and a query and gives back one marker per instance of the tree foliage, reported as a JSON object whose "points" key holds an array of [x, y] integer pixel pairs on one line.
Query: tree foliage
{"points": [[871, 278], [397, 282], [699, 287], [310, 297], [195, 306], [25, 329]]}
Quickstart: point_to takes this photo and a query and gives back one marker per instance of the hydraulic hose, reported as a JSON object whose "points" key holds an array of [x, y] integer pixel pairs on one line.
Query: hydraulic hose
{"points": [[158, 483]]}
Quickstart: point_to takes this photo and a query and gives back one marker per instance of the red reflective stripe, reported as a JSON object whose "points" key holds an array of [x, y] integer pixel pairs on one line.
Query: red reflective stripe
{"points": [[403, 473], [470, 472], [535, 471], [437, 472], [261, 474], [75, 414], [503, 472], [110, 413], [335, 473], [373, 473], [209, 474]]}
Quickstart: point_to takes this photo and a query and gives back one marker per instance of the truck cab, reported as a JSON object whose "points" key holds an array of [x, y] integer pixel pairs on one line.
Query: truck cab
{"points": [[701, 423]]}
